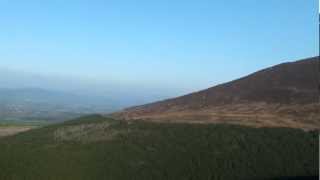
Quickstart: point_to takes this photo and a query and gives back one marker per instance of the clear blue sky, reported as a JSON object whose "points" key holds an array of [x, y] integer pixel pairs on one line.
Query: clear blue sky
{"points": [[179, 44]]}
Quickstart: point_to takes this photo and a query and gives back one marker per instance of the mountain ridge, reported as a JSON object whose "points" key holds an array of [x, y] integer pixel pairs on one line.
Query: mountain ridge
{"points": [[278, 92]]}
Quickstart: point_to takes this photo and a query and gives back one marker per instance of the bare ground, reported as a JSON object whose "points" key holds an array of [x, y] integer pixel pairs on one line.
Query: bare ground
{"points": [[12, 130], [86, 132], [254, 114]]}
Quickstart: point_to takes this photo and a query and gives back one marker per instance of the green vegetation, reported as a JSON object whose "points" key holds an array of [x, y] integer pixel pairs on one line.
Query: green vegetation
{"points": [[115, 150], [23, 123]]}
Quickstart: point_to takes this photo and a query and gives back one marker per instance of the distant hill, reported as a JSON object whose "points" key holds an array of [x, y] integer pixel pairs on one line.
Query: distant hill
{"points": [[117, 94], [41, 104], [282, 95]]}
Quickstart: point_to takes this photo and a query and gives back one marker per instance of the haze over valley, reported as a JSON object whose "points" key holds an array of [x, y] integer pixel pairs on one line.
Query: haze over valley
{"points": [[159, 90], [31, 96]]}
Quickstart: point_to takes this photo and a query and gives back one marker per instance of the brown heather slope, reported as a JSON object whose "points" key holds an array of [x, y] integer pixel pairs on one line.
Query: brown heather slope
{"points": [[284, 95]]}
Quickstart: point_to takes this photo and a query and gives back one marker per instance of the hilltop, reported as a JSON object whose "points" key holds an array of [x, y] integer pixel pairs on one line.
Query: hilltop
{"points": [[284, 95]]}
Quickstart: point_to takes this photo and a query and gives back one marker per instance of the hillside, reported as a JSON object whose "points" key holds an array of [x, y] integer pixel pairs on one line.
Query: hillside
{"points": [[95, 147], [284, 95]]}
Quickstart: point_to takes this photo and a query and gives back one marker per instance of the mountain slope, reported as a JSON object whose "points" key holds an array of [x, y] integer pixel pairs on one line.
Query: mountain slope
{"points": [[276, 96], [95, 147]]}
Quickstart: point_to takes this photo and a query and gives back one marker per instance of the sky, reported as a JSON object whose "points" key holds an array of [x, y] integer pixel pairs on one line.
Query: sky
{"points": [[177, 46]]}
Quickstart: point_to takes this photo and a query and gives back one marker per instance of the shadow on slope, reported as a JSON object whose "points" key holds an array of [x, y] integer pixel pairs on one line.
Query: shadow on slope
{"points": [[158, 151]]}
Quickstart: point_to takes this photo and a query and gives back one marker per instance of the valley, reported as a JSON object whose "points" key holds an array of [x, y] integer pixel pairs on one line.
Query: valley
{"points": [[159, 90], [264, 126]]}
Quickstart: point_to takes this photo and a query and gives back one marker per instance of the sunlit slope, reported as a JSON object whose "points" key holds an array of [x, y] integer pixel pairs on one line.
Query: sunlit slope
{"points": [[96, 147], [285, 95]]}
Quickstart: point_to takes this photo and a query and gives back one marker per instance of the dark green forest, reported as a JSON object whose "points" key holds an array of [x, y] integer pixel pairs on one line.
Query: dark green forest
{"points": [[98, 148]]}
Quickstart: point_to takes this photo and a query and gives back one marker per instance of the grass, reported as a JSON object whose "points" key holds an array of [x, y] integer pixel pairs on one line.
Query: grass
{"points": [[23, 123], [142, 150]]}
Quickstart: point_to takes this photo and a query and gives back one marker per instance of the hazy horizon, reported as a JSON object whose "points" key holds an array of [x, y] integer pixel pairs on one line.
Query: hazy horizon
{"points": [[153, 50]]}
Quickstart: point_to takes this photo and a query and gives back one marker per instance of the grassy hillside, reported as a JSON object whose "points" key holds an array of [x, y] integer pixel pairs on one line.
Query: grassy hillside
{"points": [[23, 123], [95, 147]]}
